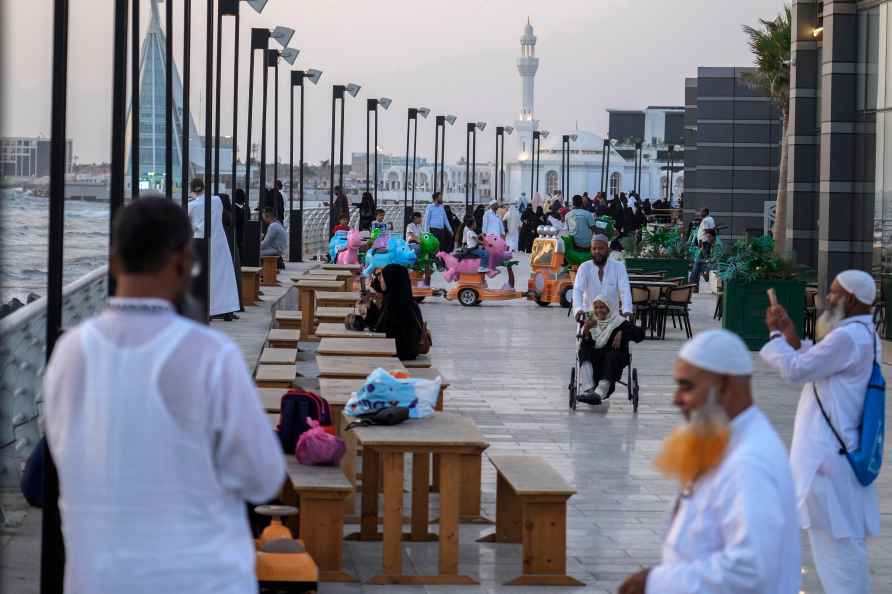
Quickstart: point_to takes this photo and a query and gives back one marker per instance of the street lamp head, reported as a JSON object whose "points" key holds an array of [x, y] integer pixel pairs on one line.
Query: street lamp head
{"points": [[451, 119], [353, 89], [613, 141], [424, 112], [544, 133], [481, 126], [573, 137], [282, 35], [509, 130], [289, 54], [385, 102], [257, 5], [314, 75]]}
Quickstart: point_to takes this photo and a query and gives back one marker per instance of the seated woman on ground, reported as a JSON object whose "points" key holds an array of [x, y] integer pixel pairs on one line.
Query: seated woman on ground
{"points": [[604, 351], [391, 309]]}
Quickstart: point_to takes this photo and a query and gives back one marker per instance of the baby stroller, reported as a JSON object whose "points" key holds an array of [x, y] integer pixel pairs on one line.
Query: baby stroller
{"points": [[631, 382]]}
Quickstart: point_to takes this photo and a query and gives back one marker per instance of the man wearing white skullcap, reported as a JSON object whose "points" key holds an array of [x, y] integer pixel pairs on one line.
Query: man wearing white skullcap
{"points": [[838, 512], [601, 275], [733, 528]]}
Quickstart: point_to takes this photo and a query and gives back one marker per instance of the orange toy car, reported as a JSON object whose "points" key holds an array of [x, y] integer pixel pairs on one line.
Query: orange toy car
{"points": [[282, 563]]}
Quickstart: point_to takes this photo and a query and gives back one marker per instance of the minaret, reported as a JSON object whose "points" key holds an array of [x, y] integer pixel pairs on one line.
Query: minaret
{"points": [[527, 65]]}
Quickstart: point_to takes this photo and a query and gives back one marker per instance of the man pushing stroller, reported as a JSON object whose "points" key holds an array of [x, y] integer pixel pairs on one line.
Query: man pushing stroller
{"points": [[603, 350]]}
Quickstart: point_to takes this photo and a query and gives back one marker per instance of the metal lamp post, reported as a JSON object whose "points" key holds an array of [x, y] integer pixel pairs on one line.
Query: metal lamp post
{"points": [[499, 190], [224, 8], [440, 149], [669, 178], [295, 218], [337, 92], [471, 162], [412, 116], [610, 144], [371, 106], [637, 179], [289, 54], [536, 159], [272, 61], [566, 139]]}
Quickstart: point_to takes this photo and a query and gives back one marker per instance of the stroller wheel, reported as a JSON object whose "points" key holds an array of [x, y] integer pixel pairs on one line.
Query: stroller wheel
{"points": [[572, 389]]}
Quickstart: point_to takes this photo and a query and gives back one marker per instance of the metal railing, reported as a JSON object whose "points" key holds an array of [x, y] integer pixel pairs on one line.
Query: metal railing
{"points": [[23, 354]]}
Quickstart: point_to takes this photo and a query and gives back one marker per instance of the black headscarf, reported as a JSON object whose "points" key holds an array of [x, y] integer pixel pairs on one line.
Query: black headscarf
{"points": [[400, 317]]}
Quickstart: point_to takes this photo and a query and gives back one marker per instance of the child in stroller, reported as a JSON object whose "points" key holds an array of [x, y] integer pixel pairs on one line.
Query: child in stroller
{"points": [[603, 353]]}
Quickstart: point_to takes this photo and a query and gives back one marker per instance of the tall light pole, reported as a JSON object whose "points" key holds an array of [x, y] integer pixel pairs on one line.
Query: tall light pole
{"points": [[260, 41], [610, 144], [605, 149], [295, 218], [371, 106], [499, 190], [637, 171], [289, 54], [471, 162], [226, 8], [272, 61], [337, 92], [134, 100], [669, 178], [412, 116], [440, 149], [566, 139], [536, 159]]}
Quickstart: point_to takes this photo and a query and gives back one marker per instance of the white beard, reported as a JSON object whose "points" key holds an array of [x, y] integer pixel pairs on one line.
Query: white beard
{"points": [[828, 321]]}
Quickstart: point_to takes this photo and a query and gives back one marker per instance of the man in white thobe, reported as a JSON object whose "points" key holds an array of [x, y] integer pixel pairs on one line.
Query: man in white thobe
{"points": [[733, 528], [492, 222], [601, 275], [224, 291], [837, 510], [156, 430]]}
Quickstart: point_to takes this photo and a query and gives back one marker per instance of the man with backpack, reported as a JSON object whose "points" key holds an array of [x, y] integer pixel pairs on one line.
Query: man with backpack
{"points": [[836, 507]]}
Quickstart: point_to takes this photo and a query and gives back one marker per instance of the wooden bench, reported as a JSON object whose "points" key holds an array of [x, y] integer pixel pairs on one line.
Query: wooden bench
{"points": [[319, 493], [278, 356], [333, 314], [531, 507], [354, 268], [270, 270], [335, 330], [283, 338], [420, 361], [271, 398], [290, 319], [357, 347], [275, 376], [337, 298], [250, 285]]}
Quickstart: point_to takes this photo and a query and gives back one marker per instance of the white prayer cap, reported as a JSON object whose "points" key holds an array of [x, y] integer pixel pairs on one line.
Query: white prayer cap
{"points": [[858, 283], [718, 351], [600, 237]]}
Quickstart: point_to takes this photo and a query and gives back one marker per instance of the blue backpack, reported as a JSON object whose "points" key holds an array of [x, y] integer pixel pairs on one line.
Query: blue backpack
{"points": [[868, 458]]}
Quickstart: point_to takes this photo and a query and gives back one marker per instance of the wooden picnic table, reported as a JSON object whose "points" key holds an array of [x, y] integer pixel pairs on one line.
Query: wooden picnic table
{"points": [[337, 298], [275, 376], [342, 267], [278, 356], [308, 289], [453, 437], [355, 367], [335, 330], [333, 314], [283, 338], [358, 347], [345, 277]]}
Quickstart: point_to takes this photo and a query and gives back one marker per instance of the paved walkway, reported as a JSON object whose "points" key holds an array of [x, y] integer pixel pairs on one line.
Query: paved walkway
{"points": [[509, 364]]}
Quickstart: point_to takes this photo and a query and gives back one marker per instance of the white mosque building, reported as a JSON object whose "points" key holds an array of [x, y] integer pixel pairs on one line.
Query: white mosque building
{"points": [[656, 128]]}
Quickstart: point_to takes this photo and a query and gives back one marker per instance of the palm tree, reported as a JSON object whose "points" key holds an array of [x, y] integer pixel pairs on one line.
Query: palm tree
{"points": [[770, 44]]}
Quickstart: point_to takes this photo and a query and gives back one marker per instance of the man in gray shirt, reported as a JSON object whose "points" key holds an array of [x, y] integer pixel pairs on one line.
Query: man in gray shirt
{"points": [[580, 224], [275, 242]]}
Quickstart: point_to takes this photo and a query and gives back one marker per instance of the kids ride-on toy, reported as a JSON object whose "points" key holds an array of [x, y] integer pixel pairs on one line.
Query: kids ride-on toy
{"points": [[471, 287], [282, 562]]}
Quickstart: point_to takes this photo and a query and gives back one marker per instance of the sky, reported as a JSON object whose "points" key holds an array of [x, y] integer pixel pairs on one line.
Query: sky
{"points": [[455, 57]]}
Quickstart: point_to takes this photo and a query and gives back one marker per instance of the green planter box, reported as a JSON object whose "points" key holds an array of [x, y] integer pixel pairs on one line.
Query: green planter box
{"points": [[745, 305], [673, 267]]}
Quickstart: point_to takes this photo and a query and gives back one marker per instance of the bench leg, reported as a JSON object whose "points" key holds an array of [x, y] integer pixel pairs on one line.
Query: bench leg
{"points": [[509, 515], [469, 510], [544, 523], [321, 529], [420, 498], [368, 523]]}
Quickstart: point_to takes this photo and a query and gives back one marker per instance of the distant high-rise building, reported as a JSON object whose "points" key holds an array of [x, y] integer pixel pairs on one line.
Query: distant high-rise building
{"points": [[152, 131], [28, 157]]}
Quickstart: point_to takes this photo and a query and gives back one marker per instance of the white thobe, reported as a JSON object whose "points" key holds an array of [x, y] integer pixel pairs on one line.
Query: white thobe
{"points": [[614, 286], [829, 496], [492, 224], [736, 533], [224, 291], [513, 223], [159, 437]]}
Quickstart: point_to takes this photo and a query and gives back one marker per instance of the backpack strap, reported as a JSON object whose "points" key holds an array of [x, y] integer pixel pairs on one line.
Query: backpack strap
{"points": [[843, 450]]}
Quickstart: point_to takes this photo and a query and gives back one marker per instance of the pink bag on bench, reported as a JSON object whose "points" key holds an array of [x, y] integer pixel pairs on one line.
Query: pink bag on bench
{"points": [[317, 447]]}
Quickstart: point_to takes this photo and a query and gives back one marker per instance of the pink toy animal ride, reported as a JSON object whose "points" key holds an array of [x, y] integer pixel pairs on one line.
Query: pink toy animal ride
{"points": [[350, 254], [471, 288]]}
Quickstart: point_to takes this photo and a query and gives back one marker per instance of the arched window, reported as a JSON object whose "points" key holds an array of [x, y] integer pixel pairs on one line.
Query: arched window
{"points": [[552, 184], [615, 179]]}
